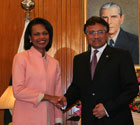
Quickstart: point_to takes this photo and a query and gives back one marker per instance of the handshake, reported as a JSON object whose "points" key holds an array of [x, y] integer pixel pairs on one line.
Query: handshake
{"points": [[58, 101]]}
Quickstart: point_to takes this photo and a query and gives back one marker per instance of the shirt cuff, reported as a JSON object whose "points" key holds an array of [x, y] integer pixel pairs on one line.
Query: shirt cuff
{"points": [[58, 120], [106, 113], [63, 108], [40, 97]]}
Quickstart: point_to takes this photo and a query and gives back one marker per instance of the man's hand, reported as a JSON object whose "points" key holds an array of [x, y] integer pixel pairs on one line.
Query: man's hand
{"points": [[61, 102], [99, 111]]}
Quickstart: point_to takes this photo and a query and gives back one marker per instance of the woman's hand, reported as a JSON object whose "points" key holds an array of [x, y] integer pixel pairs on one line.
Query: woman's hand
{"points": [[52, 99]]}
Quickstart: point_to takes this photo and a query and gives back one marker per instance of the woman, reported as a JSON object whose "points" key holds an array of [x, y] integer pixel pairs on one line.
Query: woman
{"points": [[36, 76]]}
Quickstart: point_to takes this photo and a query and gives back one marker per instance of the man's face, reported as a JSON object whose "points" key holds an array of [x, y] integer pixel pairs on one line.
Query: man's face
{"points": [[113, 18], [96, 35]]}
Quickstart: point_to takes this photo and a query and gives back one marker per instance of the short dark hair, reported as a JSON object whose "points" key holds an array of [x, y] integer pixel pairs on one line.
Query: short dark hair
{"points": [[35, 21], [94, 20]]}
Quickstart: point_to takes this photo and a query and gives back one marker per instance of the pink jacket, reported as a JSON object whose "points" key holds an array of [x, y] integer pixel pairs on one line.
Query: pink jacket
{"points": [[33, 74]]}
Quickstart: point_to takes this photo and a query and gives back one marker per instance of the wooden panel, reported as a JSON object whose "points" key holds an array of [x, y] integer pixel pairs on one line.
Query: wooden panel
{"points": [[1, 117], [12, 19], [11, 27], [66, 16], [139, 28]]}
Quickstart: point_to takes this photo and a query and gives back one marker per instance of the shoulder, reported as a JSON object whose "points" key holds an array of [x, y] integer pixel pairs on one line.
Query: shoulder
{"points": [[83, 54], [21, 55], [21, 58], [82, 57], [119, 53], [115, 51], [123, 56], [128, 35]]}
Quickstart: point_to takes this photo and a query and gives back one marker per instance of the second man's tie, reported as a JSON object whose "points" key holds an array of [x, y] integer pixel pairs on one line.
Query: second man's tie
{"points": [[93, 63]]}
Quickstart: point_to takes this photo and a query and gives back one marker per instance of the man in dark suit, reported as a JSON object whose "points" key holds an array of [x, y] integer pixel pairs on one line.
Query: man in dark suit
{"points": [[106, 95], [112, 14]]}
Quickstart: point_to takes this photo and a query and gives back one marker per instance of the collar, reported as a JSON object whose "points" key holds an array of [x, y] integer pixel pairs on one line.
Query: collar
{"points": [[114, 38], [37, 53], [101, 49]]}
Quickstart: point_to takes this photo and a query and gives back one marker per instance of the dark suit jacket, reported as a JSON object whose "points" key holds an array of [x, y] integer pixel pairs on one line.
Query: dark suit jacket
{"points": [[128, 42], [114, 84]]}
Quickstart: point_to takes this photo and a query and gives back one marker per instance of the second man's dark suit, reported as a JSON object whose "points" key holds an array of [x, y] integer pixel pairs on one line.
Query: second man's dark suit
{"points": [[114, 85], [130, 42]]}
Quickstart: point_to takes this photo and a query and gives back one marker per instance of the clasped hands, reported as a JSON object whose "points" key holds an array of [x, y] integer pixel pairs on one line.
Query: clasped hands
{"points": [[58, 101], [61, 101]]}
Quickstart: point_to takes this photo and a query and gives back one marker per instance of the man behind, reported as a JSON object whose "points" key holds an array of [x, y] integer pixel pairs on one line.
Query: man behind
{"points": [[106, 95], [112, 14]]}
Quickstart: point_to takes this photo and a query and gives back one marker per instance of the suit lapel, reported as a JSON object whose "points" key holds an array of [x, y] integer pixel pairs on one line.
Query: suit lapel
{"points": [[121, 41], [87, 63], [105, 57]]}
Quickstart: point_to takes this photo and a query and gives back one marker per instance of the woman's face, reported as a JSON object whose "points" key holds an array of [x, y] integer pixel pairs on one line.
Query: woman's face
{"points": [[39, 37]]}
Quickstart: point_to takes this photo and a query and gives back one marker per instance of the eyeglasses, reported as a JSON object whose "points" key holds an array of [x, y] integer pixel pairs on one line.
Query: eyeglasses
{"points": [[100, 32]]}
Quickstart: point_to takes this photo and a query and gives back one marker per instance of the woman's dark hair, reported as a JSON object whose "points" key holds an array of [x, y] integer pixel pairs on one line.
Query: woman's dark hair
{"points": [[95, 19], [48, 27]]}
